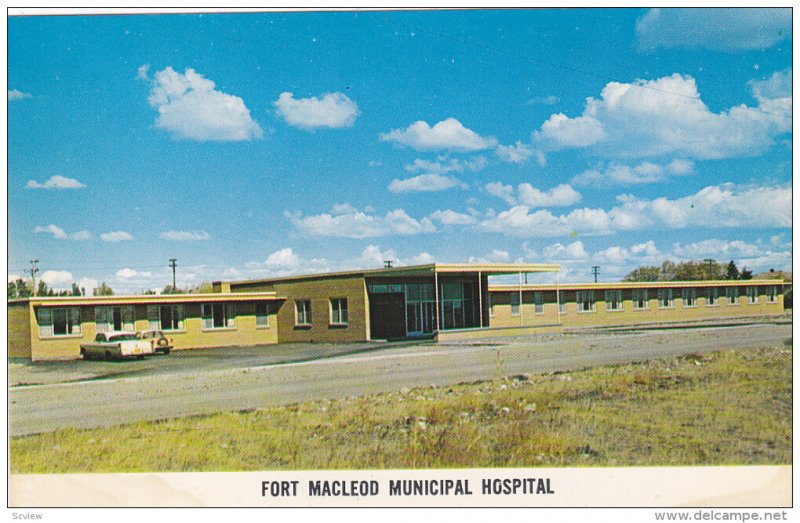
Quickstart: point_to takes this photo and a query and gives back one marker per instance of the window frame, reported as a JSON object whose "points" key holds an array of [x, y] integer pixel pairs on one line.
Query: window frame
{"points": [[332, 309], [582, 298], [772, 297], [735, 292], [640, 296], [72, 322], [518, 305], [262, 315], [228, 315], [712, 292], [610, 294], [666, 295], [752, 297], [177, 316], [538, 303], [307, 317], [691, 294]]}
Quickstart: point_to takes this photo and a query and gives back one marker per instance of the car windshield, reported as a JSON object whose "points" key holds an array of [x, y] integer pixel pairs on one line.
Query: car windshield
{"points": [[123, 337]]}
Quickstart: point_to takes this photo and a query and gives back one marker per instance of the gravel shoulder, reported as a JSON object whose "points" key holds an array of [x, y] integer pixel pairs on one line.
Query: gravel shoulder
{"points": [[207, 383]]}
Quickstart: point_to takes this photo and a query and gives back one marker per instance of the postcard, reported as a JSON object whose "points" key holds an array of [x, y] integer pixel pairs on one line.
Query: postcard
{"points": [[401, 258]]}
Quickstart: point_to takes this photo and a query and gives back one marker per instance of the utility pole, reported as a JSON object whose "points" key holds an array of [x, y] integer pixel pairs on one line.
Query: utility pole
{"points": [[173, 262], [595, 271], [34, 270]]}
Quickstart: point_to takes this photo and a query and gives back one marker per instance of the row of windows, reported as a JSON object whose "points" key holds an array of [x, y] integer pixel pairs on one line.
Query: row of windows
{"points": [[66, 321], [585, 299], [337, 312]]}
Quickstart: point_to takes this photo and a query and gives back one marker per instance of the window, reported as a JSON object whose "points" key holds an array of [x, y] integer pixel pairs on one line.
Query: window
{"points": [[614, 300], [61, 321], [640, 300], [689, 297], [585, 301], [772, 294], [515, 304], [711, 296], [665, 298], [491, 305], [262, 314], [732, 295], [114, 319], [752, 295], [381, 288], [165, 317], [538, 300], [339, 311], [302, 312], [562, 302], [218, 315]]}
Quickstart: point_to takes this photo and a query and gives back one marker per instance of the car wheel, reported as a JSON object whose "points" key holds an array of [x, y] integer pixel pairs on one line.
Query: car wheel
{"points": [[140, 357], [166, 351]]}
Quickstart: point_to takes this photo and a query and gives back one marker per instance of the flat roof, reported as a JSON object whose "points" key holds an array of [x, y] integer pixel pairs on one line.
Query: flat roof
{"points": [[414, 270], [630, 285], [146, 299]]}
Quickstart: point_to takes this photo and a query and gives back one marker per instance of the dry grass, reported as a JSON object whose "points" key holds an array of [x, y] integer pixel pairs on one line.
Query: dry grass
{"points": [[723, 408]]}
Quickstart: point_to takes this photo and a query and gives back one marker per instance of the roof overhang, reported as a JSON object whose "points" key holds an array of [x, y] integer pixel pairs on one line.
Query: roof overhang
{"points": [[414, 270], [152, 299], [631, 285]]}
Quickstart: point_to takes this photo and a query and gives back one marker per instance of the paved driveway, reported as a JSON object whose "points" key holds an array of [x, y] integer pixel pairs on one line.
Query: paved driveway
{"points": [[196, 385]]}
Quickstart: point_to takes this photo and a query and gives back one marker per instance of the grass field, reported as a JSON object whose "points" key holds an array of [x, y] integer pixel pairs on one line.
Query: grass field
{"points": [[729, 407]]}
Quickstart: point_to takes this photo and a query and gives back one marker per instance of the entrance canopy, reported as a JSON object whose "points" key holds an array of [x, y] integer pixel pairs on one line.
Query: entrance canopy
{"points": [[408, 302]]}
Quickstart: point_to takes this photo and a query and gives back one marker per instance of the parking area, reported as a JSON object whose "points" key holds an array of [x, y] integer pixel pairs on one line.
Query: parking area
{"points": [[22, 372]]}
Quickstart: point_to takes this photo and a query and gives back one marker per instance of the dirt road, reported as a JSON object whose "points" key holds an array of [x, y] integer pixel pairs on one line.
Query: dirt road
{"points": [[186, 389]]}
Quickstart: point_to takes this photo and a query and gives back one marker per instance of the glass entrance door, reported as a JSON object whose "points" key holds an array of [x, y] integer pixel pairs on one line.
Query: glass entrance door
{"points": [[420, 309]]}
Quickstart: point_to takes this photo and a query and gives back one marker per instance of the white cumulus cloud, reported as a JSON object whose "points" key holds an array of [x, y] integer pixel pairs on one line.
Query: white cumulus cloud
{"points": [[720, 29], [571, 251], [56, 182], [126, 273], [448, 134], [560, 196], [620, 174], [359, 224], [283, 258], [333, 110], [59, 233], [425, 183], [724, 206], [190, 108], [184, 236], [57, 278], [666, 116], [450, 217], [517, 153], [116, 236]]}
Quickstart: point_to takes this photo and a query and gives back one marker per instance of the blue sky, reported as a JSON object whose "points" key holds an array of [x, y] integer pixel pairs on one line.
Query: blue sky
{"points": [[248, 145]]}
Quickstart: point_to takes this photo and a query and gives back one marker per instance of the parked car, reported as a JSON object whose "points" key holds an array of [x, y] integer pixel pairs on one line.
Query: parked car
{"points": [[157, 340], [116, 345]]}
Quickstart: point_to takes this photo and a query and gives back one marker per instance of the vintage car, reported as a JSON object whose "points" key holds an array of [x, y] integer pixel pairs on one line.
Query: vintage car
{"points": [[157, 340], [116, 345]]}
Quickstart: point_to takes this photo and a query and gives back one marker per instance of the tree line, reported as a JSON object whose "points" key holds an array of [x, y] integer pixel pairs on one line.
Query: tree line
{"points": [[21, 288], [690, 271]]}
